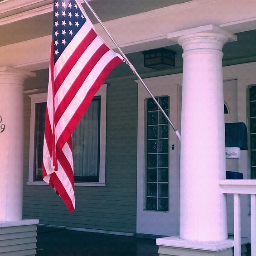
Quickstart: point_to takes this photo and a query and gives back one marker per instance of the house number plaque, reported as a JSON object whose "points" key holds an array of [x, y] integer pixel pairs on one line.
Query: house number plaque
{"points": [[2, 126]]}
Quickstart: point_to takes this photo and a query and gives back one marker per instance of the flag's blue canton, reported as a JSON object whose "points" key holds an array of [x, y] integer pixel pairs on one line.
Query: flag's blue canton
{"points": [[67, 20]]}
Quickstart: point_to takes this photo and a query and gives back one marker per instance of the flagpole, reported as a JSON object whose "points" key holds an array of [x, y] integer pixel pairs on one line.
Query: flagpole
{"points": [[132, 68]]}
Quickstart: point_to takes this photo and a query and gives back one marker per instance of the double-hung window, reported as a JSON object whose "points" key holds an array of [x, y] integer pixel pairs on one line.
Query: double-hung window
{"points": [[88, 141]]}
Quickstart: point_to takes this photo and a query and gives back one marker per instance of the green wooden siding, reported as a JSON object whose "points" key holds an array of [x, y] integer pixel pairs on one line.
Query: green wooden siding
{"points": [[18, 240], [109, 208]]}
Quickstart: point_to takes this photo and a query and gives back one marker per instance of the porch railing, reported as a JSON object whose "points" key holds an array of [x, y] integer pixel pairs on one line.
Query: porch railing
{"points": [[237, 188]]}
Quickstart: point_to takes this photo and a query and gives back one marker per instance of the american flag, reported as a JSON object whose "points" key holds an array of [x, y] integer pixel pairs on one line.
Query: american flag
{"points": [[80, 61]]}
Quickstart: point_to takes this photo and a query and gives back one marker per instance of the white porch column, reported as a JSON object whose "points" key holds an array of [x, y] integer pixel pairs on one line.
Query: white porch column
{"points": [[11, 143], [202, 164]]}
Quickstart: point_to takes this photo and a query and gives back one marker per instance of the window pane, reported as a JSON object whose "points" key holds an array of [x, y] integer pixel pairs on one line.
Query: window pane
{"points": [[163, 204], [163, 146], [85, 140], [40, 109], [253, 109], [163, 131], [152, 175], [152, 132], [152, 189], [253, 158], [152, 118], [152, 160], [151, 105], [162, 118], [253, 141], [151, 203], [152, 146], [164, 102], [163, 175], [163, 189], [225, 109], [253, 125], [253, 93], [163, 160], [253, 173]]}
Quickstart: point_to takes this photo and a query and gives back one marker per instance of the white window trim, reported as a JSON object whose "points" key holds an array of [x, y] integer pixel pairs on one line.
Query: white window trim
{"points": [[42, 97]]}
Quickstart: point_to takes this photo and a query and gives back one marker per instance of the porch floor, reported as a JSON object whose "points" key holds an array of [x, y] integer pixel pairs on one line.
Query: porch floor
{"points": [[57, 241]]}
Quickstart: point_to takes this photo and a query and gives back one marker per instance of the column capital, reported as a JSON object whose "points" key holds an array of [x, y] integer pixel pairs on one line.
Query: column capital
{"points": [[203, 37], [9, 75]]}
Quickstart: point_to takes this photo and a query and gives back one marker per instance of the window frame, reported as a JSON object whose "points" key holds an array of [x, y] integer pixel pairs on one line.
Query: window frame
{"points": [[147, 154], [42, 97], [250, 133]]}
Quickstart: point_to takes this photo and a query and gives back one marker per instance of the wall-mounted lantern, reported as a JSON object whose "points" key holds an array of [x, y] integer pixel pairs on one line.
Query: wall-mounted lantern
{"points": [[159, 58]]}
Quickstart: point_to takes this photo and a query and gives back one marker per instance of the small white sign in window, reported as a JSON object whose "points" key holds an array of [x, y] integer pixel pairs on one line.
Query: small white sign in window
{"points": [[232, 152]]}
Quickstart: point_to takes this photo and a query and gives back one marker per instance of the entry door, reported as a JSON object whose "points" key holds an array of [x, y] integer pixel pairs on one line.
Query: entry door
{"points": [[158, 157]]}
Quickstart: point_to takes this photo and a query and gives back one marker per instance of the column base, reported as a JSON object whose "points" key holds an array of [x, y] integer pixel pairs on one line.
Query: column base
{"points": [[174, 246], [18, 238]]}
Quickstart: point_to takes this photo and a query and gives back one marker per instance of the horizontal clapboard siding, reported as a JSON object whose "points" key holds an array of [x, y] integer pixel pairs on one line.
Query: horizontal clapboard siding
{"points": [[108, 208], [18, 240]]}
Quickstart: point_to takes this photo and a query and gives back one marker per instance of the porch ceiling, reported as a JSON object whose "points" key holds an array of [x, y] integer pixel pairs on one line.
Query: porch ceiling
{"points": [[19, 23], [241, 51], [34, 20]]}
